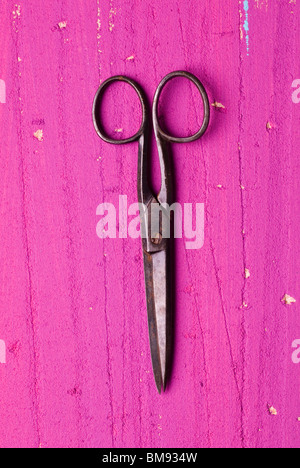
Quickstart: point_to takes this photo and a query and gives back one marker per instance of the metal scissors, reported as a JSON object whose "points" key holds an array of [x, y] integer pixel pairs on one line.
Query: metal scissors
{"points": [[157, 248]]}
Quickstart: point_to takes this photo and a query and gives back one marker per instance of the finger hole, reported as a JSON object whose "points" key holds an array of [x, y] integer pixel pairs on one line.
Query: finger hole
{"points": [[182, 108], [118, 111]]}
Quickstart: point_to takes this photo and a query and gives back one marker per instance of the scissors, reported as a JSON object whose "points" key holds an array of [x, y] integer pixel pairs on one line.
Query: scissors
{"points": [[157, 247]]}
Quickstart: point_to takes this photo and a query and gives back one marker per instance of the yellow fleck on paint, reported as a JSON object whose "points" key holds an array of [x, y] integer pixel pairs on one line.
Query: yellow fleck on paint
{"points": [[39, 135], [17, 11], [272, 411], [241, 27], [269, 126], [242, 187], [218, 105], [130, 58], [241, 33], [119, 130], [247, 273], [220, 186], [19, 59], [62, 24], [98, 15], [289, 300], [298, 419]]}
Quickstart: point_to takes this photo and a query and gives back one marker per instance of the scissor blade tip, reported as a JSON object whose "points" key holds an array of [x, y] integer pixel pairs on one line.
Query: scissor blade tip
{"points": [[161, 387]]}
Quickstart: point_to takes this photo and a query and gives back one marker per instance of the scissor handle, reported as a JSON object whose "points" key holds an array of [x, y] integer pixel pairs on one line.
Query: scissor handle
{"points": [[158, 130], [96, 110]]}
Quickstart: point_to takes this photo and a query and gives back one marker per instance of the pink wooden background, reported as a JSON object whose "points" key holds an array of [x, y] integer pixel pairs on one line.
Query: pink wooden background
{"points": [[72, 307]]}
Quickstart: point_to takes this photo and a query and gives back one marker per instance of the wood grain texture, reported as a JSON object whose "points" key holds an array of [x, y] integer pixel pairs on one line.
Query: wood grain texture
{"points": [[72, 307]]}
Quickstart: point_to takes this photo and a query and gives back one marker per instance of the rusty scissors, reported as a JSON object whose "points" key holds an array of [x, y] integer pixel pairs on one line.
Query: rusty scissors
{"points": [[157, 250]]}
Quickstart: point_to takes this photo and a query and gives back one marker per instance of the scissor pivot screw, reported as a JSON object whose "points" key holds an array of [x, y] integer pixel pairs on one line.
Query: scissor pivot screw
{"points": [[156, 239]]}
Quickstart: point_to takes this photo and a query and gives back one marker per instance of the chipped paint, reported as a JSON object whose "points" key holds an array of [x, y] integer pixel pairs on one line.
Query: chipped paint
{"points": [[39, 135], [293, 4], [272, 411], [111, 17], [247, 273], [218, 105], [241, 29], [269, 126], [62, 24], [130, 58], [16, 14], [288, 300], [246, 23]]}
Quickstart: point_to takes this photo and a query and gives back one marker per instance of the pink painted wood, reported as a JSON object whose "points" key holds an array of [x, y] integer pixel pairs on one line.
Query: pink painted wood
{"points": [[77, 371]]}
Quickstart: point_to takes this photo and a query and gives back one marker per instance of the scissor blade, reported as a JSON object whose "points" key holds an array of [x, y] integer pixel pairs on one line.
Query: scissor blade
{"points": [[158, 310]]}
